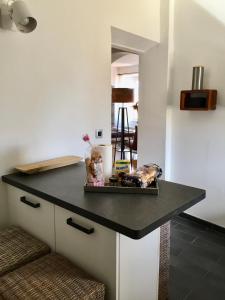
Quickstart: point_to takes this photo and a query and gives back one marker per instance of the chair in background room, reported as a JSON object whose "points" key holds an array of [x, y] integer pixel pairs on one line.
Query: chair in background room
{"points": [[132, 145], [122, 95]]}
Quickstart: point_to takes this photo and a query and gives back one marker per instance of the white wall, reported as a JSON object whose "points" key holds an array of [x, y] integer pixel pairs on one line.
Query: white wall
{"points": [[153, 96], [135, 16], [55, 82], [197, 144]]}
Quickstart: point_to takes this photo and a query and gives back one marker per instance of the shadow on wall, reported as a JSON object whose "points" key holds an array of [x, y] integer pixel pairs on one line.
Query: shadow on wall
{"points": [[3, 206], [8, 159]]}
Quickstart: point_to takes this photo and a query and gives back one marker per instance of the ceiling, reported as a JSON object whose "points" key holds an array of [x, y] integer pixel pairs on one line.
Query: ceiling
{"points": [[122, 58]]}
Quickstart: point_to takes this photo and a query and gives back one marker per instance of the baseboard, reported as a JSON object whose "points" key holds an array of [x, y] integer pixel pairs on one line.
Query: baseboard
{"points": [[203, 223]]}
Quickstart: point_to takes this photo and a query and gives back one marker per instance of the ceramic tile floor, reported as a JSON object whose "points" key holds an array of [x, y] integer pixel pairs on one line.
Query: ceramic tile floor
{"points": [[197, 265]]}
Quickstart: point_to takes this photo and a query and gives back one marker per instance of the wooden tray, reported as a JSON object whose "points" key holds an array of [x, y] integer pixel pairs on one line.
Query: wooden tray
{"points": [[122, 189], [48, 164]]}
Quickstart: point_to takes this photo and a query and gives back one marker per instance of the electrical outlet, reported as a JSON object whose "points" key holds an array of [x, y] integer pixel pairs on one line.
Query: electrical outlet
{"points": [[99, 133]]}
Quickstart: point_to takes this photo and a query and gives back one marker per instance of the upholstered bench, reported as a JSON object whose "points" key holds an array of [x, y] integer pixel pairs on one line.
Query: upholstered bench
{"points": [[50, 277], [17, 248]]}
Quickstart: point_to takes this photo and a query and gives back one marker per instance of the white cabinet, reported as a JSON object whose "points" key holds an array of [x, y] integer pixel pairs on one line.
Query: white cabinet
{"points": [[33, 214], [129, 268], [139, 267], [95, 252]]}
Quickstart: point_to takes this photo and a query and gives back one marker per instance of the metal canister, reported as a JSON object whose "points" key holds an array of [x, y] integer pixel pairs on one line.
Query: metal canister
{"points": [[197, 78]]}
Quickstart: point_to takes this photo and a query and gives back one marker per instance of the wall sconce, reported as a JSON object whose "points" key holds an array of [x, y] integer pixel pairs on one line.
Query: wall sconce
{"points": [[19, 14]]}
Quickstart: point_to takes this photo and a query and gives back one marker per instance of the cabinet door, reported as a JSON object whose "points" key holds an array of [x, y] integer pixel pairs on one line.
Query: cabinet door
{"points": [[94, 252], [33, 214]]}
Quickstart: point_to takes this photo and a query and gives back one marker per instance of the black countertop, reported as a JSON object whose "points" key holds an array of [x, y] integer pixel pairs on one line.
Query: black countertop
{"points": [[133, 215]]}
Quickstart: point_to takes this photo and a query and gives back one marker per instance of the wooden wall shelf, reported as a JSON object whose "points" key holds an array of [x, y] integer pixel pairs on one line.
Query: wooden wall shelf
{"points": [[201, 100]]}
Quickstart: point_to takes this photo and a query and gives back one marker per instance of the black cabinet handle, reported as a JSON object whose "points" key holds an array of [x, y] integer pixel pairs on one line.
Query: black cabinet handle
{"points": [[79, 227], [34, 205]]}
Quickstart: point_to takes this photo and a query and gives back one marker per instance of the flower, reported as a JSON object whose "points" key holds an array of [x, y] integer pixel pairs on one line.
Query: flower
{"points": [[86, 138]]}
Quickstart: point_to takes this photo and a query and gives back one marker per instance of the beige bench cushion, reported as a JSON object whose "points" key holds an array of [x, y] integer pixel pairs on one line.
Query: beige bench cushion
{"points": [[17, 248], [50, 277]]}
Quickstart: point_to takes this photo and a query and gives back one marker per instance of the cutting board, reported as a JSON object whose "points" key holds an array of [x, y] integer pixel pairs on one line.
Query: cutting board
{"points": [[49, 164]]}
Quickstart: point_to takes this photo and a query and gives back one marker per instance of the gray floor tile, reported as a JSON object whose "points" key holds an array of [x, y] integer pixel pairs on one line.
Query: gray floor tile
{"points": [[197, 264]]}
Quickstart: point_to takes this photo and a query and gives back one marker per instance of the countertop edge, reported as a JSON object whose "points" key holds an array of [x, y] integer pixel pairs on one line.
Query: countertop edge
{"points": [[168, 217], [134, 234], [131, 233]]}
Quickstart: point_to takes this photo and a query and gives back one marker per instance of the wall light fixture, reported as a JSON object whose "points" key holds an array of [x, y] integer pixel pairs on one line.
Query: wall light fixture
{"points": [[19, 14]]}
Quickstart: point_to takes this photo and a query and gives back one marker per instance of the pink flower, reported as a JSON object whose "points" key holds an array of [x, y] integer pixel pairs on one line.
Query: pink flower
{"points": [[86, 138]]}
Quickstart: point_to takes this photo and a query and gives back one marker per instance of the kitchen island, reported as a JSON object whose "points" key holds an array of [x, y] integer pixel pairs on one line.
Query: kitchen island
{"points": [[114, 237]]}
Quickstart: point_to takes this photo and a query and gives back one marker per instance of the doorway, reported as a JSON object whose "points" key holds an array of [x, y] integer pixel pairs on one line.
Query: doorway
{"points": [[125, 100]]}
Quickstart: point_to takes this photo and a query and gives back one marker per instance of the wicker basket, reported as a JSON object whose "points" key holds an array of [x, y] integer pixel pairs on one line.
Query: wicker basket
{"points": [[17, 248], [50, 277]]}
